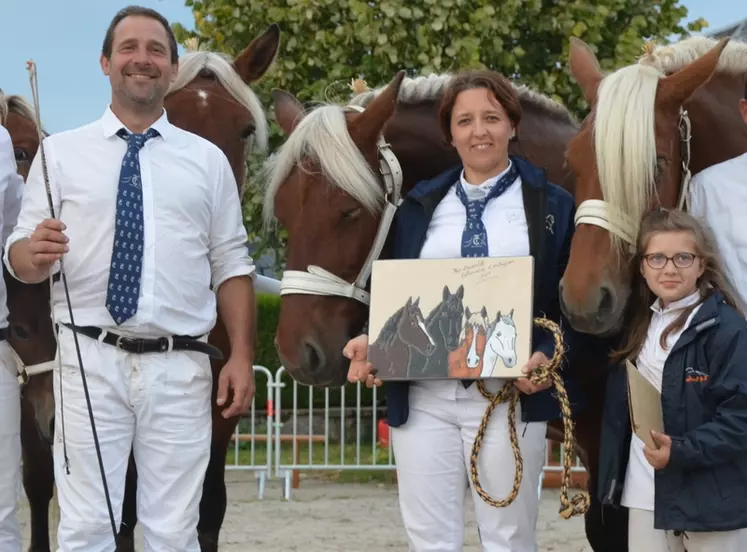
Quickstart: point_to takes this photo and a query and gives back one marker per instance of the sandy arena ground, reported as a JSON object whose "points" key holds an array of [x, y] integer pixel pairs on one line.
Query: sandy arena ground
{"points": [[332, 517]]}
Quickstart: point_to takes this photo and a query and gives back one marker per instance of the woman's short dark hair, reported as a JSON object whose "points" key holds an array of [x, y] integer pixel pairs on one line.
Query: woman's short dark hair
{"points": [[106, 48], [498, 85]]}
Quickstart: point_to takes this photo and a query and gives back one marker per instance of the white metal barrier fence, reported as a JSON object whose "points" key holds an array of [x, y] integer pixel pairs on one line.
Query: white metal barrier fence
{"points": [[281, 440]]}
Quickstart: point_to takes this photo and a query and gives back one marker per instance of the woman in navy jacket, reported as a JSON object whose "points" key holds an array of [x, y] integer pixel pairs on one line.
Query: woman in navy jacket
{"points": [[689, 339], [434, 423]]}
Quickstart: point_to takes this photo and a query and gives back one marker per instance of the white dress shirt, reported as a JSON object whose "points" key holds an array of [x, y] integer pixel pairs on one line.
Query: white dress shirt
{"points": [[638, 491], [194, 232], [718, 195], [504, 219], [11, 192]]}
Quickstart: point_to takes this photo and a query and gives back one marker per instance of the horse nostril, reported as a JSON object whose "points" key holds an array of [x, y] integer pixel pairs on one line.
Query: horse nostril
{"points": [[606, 301], [313, 357]]}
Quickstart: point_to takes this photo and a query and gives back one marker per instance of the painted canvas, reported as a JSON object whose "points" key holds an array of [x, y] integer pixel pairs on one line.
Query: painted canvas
{"points": [[467, 318]]}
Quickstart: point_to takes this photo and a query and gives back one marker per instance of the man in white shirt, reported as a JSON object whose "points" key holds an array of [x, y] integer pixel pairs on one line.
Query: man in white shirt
{"points": [[149, 220], [11, 190], [718, 194]]}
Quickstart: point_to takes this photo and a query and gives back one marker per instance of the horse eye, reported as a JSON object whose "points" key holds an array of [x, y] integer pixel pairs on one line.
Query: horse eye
{"points": [[351, 214], [20, 154], [248, 131]]}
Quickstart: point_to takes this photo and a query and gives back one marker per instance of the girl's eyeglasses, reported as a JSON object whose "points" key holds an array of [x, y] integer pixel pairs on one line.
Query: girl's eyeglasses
{"points": [[680, 260]]}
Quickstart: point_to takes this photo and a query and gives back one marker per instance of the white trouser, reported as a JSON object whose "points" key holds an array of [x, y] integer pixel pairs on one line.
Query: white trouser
{"points": [[432, 452], [156, 404], [10, 450], [642, 537]]}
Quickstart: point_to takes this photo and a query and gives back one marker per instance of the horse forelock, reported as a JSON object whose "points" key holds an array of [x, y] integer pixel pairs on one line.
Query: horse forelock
{"points": [[625, 140], [11, 103], [673, 57], [322, 138], [194, 64]]}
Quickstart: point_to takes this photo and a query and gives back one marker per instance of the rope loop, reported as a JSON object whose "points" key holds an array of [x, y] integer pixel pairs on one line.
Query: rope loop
{"points": [[578, 504]]}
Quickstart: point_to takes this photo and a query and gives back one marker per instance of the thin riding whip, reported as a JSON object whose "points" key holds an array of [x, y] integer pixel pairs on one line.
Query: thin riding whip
{"points": [[31, 68]]}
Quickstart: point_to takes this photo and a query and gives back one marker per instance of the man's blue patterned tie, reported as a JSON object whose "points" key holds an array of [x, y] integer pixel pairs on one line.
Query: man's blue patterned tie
{"points": [[474, 236], [127, 255]]}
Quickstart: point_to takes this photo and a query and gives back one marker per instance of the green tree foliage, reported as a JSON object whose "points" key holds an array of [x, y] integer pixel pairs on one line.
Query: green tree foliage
{"points": [[326, 43]]}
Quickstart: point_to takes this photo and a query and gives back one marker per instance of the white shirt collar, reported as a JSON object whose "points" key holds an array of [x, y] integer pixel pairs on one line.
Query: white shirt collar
{"points": [[481, 190], [111, 124], [676, 305]]}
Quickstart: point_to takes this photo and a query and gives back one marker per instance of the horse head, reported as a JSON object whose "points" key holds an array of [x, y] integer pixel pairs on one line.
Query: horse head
{"points": [[324, 190], [449, 317], [211, 97], [412, 330], [627, 157], [31, 334], [501, 338], [475, 330]]}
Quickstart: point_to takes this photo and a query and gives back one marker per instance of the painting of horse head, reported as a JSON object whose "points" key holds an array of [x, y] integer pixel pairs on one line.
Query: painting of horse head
{"points": [[650, 124], [402, 335], [500, 343], [211, 97], [444, 325]]}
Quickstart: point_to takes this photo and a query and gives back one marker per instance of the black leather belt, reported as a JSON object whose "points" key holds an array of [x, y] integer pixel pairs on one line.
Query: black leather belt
{"points": [[142, 345]]}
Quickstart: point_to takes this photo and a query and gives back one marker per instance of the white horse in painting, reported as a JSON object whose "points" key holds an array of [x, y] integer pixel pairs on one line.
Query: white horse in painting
{"points": [[501, 344]]}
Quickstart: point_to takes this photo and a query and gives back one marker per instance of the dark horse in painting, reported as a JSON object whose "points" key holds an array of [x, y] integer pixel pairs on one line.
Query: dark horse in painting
{"points": [[325, 185], [210, 97], [444, 325], [402, 335]]}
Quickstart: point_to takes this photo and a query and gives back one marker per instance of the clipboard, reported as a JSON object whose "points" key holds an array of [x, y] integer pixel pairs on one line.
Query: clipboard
{"points": [[644, 402]]}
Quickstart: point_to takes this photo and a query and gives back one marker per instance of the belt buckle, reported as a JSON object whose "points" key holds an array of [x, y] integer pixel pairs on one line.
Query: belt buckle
{"points": [[132, 341]]}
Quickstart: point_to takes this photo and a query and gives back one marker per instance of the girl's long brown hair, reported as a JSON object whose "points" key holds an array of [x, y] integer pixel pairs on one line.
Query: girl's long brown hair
{"points": [[714, 277]]}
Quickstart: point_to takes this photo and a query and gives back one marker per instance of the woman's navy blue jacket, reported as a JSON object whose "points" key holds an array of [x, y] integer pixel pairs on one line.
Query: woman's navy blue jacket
{"points": [[704, 405], [549, 211]]}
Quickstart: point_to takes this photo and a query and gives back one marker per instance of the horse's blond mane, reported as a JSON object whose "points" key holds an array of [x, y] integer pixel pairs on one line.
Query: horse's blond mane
{"points": [[13, 103], [624, 133], [322, 136], [672, 57], [219, 64]]}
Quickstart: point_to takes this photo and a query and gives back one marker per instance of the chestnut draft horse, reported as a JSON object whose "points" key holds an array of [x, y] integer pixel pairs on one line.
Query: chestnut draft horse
{"points": [[330, 183], [673, 112], [210, 97]]}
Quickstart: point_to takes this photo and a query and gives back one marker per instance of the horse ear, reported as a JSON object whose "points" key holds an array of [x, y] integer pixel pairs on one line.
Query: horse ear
{"points": [[484, 312], [498, 316], [409, 302], [288, 110], [585, 68], [460, 292], [467, 312], [367, 126], [511, 314], [417, 302], [256, 59], [677, 88], [446, 293]]}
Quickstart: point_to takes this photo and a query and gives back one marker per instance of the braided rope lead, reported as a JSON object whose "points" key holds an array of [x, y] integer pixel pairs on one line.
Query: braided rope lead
{"points": [[577, 505]]}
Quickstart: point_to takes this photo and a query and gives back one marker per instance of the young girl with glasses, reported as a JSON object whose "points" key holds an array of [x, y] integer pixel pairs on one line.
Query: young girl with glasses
{"points": [[688, 337]]}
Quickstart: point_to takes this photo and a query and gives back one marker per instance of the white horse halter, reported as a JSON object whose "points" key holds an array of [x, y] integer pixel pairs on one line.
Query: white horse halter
{"points": [[600, 213], [317, 281]]}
